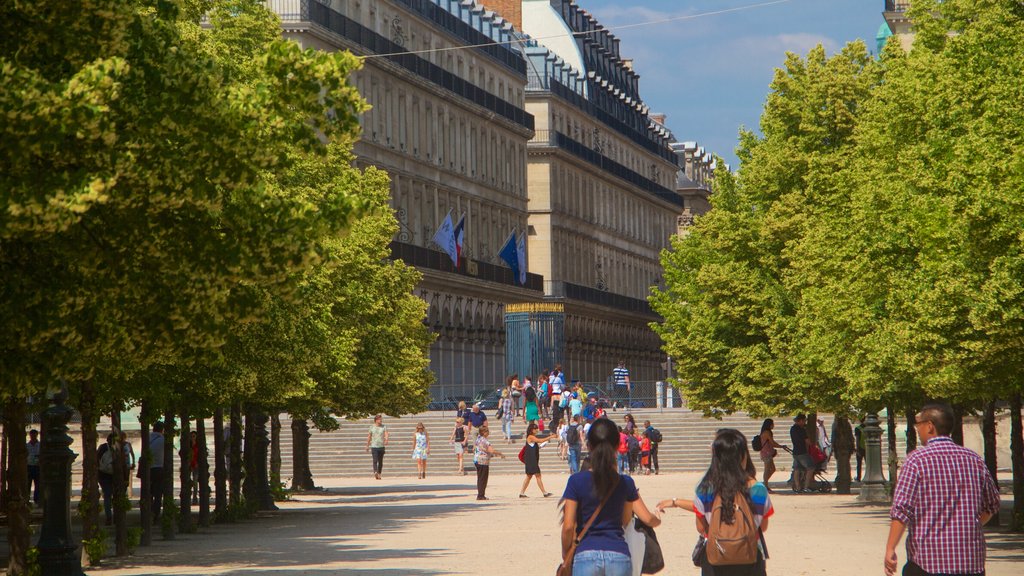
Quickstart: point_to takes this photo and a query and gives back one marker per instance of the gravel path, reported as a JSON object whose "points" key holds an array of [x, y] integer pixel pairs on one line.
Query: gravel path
{"points": [[406, 527]]}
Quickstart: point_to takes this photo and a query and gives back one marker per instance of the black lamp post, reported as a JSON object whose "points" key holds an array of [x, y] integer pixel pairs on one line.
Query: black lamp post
{"points": [[57, 555], [873, 486]]}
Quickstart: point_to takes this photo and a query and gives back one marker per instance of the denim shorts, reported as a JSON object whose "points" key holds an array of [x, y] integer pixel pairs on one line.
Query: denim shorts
{"points": [[601, 563]]}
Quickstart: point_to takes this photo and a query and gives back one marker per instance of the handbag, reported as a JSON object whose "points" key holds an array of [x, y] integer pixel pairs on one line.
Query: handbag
{"points": [[565, 568], [522, 454], [654, 561], [500, 412], [699, 550]]}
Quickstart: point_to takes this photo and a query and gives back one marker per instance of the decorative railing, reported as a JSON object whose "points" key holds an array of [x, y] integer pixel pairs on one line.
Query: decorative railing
{"points": [[601, 298], [437, 260]]}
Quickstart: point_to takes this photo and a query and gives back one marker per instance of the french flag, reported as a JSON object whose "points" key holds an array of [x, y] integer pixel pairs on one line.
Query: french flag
{"points": [[460, 234]]}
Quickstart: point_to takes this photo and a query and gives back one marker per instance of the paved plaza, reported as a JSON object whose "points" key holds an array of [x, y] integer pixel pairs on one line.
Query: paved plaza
{"points": [[409, 527]]}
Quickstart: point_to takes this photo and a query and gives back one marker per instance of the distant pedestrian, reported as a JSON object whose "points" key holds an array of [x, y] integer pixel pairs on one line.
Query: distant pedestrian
{"points": [[475, 418], [462, 412], [858, 435], [623, 452], [629, 424], [130, 461], [515, 392], [575, 405], [944, 495], [645, 453], [769, 449], [193, 465], [803, 464], [482, 454], [531, 409], [508, 415], [32, 448], [622, 388], [458, 442], [544, 392], [633, 443], [655, 436], [105, 475], [376, 443], [574, 444], [602, 551], [421, 449], [156, 469], [531, 458], [590, 409]]}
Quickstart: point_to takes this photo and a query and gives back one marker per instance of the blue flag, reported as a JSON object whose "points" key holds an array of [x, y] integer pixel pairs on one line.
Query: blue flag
{"points": [[510, 254], [445, 239]]}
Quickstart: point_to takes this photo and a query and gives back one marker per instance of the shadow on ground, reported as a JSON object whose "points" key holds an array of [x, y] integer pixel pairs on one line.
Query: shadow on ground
{"points": [[303, 539]]}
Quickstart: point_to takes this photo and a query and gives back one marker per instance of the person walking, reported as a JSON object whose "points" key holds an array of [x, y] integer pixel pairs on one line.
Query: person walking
{"points": [[803, 464], [515, 392], [645, 453], [462, 412], [531, 458], [944, 495], [574, 442], [604, 498], [769, 449], [655, 435], [728, 490], [531, 409], [156, 469], [193, 465], [623, 452], [421, 449], [458, 442], [32, 449], [130, 462], [105, 475], [482, 454], [622, 388], [858, 434], [475, 418], [376, 443], [508, 415]]}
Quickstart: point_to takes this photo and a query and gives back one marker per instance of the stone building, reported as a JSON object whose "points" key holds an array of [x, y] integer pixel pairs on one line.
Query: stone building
{"points": [[896, 19], [553, 140], [693, 181]]}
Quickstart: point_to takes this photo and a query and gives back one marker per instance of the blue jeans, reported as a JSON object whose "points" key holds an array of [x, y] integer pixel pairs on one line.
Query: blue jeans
{"points": [[623, 463], [601, 563], [506, 427], [574, 459]]}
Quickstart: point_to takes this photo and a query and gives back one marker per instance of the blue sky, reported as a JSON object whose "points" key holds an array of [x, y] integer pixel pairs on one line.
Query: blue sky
{"points": [[711, 74]]}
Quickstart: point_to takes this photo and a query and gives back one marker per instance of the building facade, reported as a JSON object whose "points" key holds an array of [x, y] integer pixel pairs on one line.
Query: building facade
{"points": [[473, 117], [895, 15]]}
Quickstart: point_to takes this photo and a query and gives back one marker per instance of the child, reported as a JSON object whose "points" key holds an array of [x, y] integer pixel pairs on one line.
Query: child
{"points": [[634, 450], [645, 454], [458, 442], [421, 449]]}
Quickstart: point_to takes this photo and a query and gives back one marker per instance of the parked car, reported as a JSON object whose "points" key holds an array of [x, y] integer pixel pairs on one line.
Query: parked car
{"points": [[489, 398], [449, 403]]}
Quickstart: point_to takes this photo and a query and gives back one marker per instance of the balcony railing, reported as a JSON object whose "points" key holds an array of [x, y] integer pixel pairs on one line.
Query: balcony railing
{"points": [[594, 158], [437, 260], [601, 298], [316, 13]]}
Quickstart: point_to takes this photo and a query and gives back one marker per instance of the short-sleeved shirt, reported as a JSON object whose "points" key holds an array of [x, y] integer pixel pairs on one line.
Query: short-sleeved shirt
{"points": [[556, 383], [575, 407], [156, 450], [621, 374], [940, 493], [760, 504], [480, 454], [606, 532], [477, 419], [377, 436], [798, 434], [33, 452]]}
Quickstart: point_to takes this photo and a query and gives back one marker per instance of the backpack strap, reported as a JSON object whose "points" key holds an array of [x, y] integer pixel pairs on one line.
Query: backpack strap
{"points": [[579, 537]]}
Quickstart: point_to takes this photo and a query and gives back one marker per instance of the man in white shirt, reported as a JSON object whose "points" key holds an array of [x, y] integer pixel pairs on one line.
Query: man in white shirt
{"points": [[32, 447]]}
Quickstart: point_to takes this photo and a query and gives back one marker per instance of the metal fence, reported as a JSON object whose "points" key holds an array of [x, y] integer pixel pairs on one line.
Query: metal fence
{"points": [[642, 395]]}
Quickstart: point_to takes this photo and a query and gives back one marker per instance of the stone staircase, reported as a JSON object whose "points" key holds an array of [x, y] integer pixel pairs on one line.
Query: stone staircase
{"points": [[341, 453]]}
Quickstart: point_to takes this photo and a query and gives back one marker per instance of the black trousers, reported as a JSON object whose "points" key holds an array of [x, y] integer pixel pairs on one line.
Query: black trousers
{"points": [[156, 491], [911, 569], [483, 472], [654, 455], [378, 460], [33, 482], [107, 488], [860, 460]]}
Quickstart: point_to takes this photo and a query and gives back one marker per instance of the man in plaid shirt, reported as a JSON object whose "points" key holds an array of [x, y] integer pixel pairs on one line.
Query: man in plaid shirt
{"points": [[944, 495]]}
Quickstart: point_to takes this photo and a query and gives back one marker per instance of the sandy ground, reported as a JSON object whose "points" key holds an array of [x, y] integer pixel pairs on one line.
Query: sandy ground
{"points": [[435, 526]]}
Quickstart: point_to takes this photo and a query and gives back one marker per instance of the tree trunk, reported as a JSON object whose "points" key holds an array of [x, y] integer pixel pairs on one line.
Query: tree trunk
{"points": [[236, 455], [302, 478], [4, 465], [843, 447], [958, 424], [89, 508], [894, 458], [988, 435], [911, 432], [185, 475], [145, 488], [167, 490], [220, 472], [250, 484], [204, 473], [18, 531], [122, 500], [1016, 460], [275, 453]]}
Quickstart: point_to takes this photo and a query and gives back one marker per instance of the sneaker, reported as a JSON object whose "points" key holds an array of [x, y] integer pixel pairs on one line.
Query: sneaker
{"points": [[547, 494], [523, 496]]}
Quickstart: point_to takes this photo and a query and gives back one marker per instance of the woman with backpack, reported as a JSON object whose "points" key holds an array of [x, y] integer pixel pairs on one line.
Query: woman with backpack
{"points": [[732, 510], [603, 498]]}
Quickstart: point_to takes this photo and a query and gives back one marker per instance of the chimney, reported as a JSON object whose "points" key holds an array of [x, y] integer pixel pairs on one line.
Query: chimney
{"points": [[511, 10], [659, 118]]}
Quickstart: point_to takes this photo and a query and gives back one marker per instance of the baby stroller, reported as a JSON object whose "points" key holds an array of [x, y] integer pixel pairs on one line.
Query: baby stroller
{"points": [[821, 460]]}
